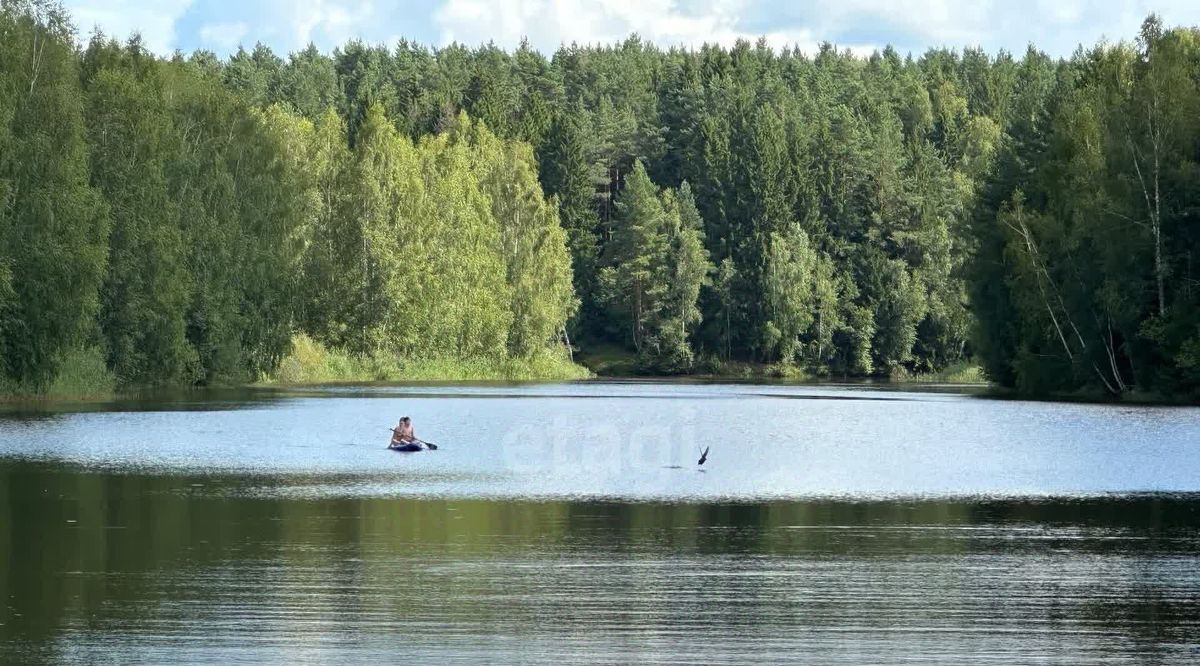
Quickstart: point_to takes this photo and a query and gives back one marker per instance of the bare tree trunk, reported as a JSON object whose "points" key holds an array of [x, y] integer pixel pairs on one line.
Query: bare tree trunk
{"points": [[1112, 360], [1158, 269], [1044, 278], [1151, 194], [637, 315], [570, 349], [820, 334], [1038, 270], [36, 62]]}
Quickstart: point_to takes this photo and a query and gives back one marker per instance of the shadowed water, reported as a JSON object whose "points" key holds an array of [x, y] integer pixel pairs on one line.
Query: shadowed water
{"points": [[570, 524]]}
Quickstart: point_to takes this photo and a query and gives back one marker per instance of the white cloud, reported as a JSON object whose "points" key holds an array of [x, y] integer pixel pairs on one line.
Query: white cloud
{"points": [[121, 18], [224, 36], [1056, 26], [549, 23], [337, 21], [940, 21]]}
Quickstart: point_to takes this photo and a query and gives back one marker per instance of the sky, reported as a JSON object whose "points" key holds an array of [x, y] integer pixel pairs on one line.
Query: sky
{"points": [[1055, 26]]}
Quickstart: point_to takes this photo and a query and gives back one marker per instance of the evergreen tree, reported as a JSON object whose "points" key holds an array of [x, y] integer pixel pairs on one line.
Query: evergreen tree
{"points": [[566, 174], [634, 283], [657, 266], [867, 215], [308, 84], [254, 75]]}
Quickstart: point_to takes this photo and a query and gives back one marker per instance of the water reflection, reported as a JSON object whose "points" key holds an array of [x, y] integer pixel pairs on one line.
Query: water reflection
{"points": [[569, 523], [633, 441], [138, 568]]}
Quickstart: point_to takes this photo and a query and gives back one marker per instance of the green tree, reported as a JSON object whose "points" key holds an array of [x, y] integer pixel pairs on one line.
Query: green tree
{"points": [[254, 75], [634, 282], [656, 268], [308, 84], [533, 243], [146, 287], [333, 240], [689, 271], [567, 174], [53, 224]]}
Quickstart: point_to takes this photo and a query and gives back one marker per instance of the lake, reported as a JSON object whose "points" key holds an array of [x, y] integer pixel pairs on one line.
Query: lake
{"points": [[570, 523]]}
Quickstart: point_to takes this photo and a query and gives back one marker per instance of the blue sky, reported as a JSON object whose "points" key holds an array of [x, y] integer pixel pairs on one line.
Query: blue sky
{"points": [[1056, 26]]}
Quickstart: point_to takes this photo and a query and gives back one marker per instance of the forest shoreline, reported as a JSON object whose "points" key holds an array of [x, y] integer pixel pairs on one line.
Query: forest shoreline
{"points": [[580, 371], [441, 211], [311, 364]]}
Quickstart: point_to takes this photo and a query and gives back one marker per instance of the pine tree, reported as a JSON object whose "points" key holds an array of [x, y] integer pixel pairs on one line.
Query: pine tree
{"points": [[635, 281], [308, 84], [566, 174]]}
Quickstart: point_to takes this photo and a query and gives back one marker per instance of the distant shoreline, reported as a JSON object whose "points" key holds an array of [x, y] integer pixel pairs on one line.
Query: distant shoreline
{"points": [[311, 367]]}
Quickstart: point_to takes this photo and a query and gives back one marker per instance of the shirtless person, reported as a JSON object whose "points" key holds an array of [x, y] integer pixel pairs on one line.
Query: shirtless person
{"points": [[403, 434]]}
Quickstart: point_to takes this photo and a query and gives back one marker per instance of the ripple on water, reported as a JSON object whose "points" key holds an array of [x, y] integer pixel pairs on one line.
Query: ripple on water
{"points": [[569, 523]]}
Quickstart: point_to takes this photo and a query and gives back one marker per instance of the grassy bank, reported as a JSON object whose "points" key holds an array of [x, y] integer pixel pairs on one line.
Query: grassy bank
{"points": [[614, 362], [82, 375], [958, 373], [310, 362], [611, 361], [606, 360]]}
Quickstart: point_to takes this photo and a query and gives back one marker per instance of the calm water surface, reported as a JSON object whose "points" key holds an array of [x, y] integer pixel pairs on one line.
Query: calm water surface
{"points": [[569, 523]]}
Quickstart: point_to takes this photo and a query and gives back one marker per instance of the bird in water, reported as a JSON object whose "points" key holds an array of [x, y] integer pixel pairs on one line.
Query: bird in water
{"points": [[703, 456]]}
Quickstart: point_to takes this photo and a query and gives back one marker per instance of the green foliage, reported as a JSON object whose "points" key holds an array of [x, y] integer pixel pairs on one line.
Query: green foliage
{"points": [[655, 269], [310, 362], [83, 375], [876, 162], [146, 287], [533, 243], [53, 225], [240, 215], [446, 247], [689, 272], [789, 293], [308, 84], [826, 214], [566, 173], [332, 235], [962, 372], [1083, 269]]}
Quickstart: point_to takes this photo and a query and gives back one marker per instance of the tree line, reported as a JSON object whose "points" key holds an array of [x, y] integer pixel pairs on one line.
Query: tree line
{"points": [[153, 216], [846, 215]]}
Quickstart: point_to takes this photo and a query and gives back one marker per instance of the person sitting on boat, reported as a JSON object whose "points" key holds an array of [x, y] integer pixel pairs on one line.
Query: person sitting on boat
{"points": [[403, 434]]}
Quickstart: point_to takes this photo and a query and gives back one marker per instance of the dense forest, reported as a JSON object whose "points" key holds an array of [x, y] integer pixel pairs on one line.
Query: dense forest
{"points": [[185, 220]]}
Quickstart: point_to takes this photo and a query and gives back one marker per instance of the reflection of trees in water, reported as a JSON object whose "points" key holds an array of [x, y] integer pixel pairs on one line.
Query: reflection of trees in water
{"points": [[154, 552]]}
